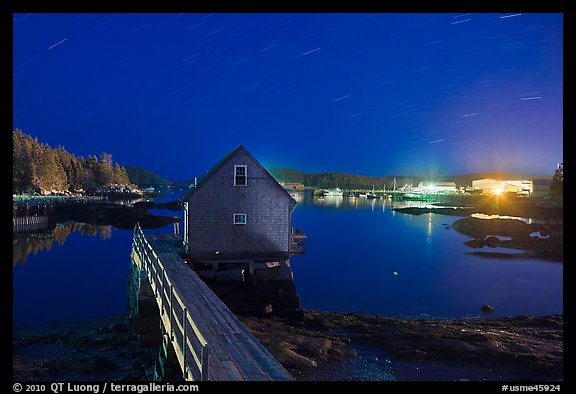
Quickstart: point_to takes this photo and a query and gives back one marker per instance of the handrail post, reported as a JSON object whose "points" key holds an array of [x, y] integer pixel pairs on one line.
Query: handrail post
{"points": [[204, 355], [184, 344], [171, 312], [163, 308]]}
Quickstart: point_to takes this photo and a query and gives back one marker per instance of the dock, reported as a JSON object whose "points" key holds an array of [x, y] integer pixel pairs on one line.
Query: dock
{"points": [[209, 341], [29, 223]]}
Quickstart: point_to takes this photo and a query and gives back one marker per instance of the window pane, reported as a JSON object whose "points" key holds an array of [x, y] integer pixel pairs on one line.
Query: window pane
{"points": [[240, 175]]}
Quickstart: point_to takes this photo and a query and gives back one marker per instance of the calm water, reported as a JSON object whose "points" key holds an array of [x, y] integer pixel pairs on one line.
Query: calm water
{"points": [[80, 272], [354, 249]]}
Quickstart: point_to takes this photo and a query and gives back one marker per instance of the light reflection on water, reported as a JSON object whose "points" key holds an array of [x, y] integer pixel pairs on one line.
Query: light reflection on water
{"points": [[488, 217], [355, 246]]}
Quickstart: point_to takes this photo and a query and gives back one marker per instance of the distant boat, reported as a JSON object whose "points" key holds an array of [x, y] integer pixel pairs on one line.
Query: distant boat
{"points": [[363, 195], [351, 196], [371, 194], [334, 192]]}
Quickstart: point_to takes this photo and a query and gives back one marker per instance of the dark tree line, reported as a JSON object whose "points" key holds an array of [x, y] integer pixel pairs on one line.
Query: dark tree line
{"points": [[557, 184], [143, 177], [342, 180], [37, 167]]}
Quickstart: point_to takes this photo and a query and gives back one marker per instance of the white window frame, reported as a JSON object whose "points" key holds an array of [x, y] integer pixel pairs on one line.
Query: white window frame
{"points": [[245, 174], [239, 215]]}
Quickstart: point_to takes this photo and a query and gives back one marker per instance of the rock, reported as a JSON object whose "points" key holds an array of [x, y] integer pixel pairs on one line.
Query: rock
{"points": [[505, 342], [266, 309], [479, 228], [295, 360], [475, 243], [523, 318], [491, 242], [487, 308], [315, 347], [546, 322]]}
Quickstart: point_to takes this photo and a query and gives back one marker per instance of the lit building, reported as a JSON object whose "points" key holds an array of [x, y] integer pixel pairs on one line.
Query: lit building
{"points": [[496, 186], [437, 187]]}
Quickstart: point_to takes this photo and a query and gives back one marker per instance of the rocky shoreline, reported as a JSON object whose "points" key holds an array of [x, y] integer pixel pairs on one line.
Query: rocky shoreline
{"points": [[511, 348], [103, 350], [540, 240], [545, 210], [315, 345]]}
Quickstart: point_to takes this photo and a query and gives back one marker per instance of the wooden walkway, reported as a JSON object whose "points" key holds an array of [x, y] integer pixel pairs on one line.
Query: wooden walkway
{"points": [[209, 340], [29, 223]]}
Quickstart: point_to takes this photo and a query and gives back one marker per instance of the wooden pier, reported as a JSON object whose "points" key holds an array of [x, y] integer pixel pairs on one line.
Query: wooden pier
{"points": [[209, 341], [30, 223]]}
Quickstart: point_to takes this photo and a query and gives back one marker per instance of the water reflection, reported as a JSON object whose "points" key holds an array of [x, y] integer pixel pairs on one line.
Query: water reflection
{"points": [[25, 243], [358, 244], [344, 202], [484, 216]]}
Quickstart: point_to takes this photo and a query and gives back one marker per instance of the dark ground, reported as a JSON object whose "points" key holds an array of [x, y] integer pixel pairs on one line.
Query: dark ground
{"points": [[98, 350], [353, 346]]}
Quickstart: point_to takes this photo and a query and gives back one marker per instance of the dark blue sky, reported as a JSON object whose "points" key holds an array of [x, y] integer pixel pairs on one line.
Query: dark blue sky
{"points": [[373, 94]]}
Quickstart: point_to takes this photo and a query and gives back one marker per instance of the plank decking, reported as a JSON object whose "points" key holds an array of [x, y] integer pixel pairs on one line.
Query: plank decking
{"points": [[209, 340]]}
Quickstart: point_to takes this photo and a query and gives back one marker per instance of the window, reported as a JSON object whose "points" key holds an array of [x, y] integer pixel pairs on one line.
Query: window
{"points": [[239, 175], [239, 218]]}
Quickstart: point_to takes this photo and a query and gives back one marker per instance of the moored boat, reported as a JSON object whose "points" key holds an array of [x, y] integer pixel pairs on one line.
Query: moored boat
{"points": [[334, 192]]}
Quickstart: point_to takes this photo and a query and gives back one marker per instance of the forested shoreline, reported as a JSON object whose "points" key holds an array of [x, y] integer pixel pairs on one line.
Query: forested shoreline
{"points": [[39, 168]]}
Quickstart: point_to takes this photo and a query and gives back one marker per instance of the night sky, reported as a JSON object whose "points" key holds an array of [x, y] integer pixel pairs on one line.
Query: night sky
{"points": [[372, 94]]}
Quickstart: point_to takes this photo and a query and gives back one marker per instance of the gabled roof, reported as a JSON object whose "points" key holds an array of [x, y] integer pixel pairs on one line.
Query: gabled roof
{"points": [[220, 163]]}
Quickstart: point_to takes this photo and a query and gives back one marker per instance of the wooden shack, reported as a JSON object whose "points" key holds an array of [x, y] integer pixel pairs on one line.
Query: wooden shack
{"points": [[237, 221]]}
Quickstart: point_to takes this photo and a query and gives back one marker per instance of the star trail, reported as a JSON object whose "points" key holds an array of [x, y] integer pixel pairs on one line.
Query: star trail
{"points": [[372, 94]]}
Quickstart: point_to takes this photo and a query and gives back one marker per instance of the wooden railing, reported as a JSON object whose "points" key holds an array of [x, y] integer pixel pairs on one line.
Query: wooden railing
{"points": [[190, 345], [297, 242]]}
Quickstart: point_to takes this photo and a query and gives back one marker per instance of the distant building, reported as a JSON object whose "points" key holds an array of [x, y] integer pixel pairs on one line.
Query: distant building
{"points": [[296, 186], [437, 187], [238, 218], [495, 186], [541, 187]]}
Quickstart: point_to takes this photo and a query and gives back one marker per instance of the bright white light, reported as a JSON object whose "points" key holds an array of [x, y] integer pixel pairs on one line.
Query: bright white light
{"points": [[498, 191]]}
